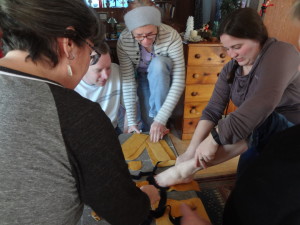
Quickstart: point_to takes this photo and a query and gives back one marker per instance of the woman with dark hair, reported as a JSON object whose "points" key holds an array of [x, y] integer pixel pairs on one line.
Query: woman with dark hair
{"points": [[268, 190], [262, 81], [58, 150]]}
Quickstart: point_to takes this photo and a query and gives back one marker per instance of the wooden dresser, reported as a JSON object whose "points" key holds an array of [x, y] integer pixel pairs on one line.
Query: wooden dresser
{"points": [[204, 62]]}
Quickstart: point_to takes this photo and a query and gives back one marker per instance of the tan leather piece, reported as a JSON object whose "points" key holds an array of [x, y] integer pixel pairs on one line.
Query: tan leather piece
{"points": [[191, 186], [95, 216], [160, 151], [141, 183], [195, 204], [135, 165], [168, 149], [134, 146]]}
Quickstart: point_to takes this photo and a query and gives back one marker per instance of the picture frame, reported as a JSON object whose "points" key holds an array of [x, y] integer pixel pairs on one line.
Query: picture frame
{"points": [[103, 15]]}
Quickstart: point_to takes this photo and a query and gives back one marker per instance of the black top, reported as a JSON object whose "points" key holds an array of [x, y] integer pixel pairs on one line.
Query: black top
{"points": [[268, 192]]}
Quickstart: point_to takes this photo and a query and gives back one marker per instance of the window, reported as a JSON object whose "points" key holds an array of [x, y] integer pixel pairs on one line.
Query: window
{"points": [[93, 3], [115, 3], [107, 3]]}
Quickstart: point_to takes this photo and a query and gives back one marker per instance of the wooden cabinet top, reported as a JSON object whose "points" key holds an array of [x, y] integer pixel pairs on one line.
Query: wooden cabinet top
{"points": [[204, 43], [206, 53]]}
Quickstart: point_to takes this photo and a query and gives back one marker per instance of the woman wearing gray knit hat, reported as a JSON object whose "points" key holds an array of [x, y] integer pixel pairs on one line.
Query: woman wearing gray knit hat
{"points": [[152, 66]]}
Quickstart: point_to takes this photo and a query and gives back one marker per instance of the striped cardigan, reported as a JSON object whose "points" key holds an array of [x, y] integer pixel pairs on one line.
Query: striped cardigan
{"points": [[168, 43]]}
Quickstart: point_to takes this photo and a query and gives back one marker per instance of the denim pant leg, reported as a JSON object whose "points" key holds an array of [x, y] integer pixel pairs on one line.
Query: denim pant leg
{"points": [[159, 78], [143, 93], [260, 137]]}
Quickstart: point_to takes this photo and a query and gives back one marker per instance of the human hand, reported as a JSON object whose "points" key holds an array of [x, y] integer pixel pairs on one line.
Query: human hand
{"points": [[152, 193], [132, 129], [189, 217], [157, 131], [206, 152]]}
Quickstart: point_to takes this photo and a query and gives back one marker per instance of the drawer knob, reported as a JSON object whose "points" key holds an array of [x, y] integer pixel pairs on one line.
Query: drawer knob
{"points": [[209, 59], [222, 55], [218, 74], [190, 123], [196, 75], [193, 110], [206, 74], [197, 56], [194, 93]]}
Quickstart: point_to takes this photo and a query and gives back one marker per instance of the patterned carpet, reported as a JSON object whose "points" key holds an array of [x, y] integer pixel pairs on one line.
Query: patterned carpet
{"points": [[214, 193]]}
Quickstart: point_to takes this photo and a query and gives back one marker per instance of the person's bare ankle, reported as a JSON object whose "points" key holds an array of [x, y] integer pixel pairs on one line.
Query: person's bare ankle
{"points": [[184, 157]]}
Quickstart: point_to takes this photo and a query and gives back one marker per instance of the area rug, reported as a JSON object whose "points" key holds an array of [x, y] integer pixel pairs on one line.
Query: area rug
{"points": [[214, 193]]}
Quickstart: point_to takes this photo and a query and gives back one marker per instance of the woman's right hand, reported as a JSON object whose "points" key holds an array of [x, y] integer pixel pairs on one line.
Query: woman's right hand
{"points": [[133, 129], [152, 193], [206, 152], [202, 131]]}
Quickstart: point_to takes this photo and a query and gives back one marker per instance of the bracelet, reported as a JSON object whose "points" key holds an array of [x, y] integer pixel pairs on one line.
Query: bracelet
{"points": [[215, 136]]}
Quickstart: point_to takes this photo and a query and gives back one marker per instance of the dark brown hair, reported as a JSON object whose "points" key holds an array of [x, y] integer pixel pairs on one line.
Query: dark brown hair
{"points": [[296, 11], [243, 23], [35, 25], [103, 47]]}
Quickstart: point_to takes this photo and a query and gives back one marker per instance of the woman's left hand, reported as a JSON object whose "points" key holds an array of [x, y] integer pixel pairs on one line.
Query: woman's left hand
{"points": [[152, 193], [190, 217], [157, 131], [206, 152]]}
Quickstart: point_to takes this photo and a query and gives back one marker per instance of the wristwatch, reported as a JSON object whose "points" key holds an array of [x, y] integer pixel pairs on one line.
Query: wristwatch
{"points": [[215, 136]]}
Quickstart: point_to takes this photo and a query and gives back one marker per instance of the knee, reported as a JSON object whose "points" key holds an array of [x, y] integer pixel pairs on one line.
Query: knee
{"points": [[160, 63]]}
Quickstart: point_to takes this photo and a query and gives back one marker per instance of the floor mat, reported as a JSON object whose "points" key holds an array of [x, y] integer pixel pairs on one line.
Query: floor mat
{"points": [[214, 193]]}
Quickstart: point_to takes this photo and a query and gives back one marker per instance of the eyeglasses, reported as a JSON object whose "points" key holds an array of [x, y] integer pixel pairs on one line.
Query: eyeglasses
{"points": [[94, 58], [142, 37], [70, 33]]}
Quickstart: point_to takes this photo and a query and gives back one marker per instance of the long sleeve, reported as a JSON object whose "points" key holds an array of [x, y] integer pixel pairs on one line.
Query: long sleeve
{"points": [[128, 55], [59, 150], [274, 85], [168, 44], [102, 175]]}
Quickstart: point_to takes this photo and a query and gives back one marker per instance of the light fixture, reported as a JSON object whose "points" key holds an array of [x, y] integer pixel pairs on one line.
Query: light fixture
{"points": [[113, 22]]}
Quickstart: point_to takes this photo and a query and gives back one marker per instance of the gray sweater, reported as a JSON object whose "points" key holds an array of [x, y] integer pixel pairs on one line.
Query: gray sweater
{"points": [[59, 150], [273, 84]]}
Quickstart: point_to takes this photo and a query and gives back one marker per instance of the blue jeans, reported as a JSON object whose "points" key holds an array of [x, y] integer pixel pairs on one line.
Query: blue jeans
{"points": [[153, 88], [260, 137]]}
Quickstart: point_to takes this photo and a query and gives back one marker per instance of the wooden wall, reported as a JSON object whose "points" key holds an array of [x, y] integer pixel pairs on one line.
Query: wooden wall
{"points": [[279, 23]]}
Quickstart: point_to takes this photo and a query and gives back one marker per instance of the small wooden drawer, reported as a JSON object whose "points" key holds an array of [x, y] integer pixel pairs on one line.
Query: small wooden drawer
{"points": [[198, 93], [202, 75], [189, 125], [207, 55], [193, 109]]}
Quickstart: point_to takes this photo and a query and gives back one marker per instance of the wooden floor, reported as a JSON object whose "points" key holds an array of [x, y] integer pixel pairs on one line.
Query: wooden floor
{"points": [[223, 169]]}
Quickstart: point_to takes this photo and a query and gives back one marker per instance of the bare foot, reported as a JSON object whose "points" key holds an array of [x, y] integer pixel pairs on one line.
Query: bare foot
{"points": [[164, 180], [181, 173]]}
